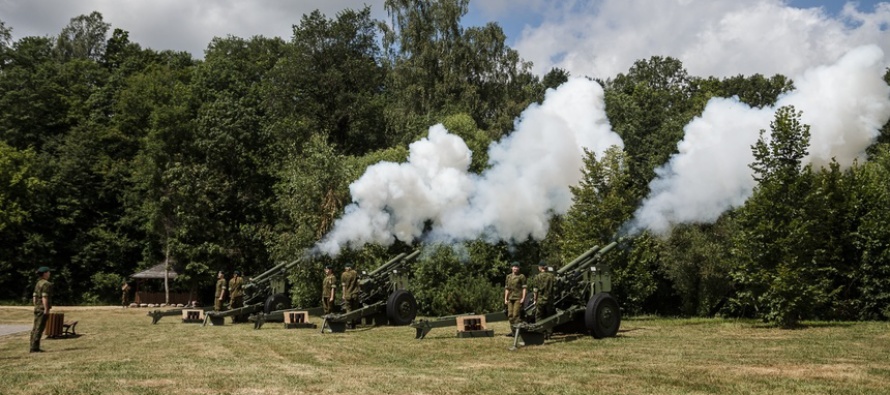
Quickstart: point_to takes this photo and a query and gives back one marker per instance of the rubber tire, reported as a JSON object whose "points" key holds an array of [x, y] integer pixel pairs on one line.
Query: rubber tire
{"points": [[602, 317], [401, 308], [276, 302]]}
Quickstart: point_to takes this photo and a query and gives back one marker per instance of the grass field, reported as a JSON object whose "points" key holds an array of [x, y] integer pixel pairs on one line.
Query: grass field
{"points": [[120, 352]]}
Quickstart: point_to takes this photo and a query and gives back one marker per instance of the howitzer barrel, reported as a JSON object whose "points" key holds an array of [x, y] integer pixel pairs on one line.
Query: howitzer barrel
{"points": [[394, 262], [280, 267], [387, 264], [593, 259], [577, 260]]}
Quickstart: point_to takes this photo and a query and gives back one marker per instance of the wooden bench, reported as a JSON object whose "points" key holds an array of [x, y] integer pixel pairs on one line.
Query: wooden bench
{"points": [[68, 328]]}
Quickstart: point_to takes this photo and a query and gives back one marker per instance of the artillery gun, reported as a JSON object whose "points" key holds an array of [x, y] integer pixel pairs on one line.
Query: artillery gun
{"points": [[581, 301], [265, 294], [383, 297]]}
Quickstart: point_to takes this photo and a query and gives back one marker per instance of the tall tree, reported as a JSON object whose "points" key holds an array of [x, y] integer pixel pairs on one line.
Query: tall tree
{"points": [[441, 68], [648, 107], [778, 272], [330, 81], [83, 38]]}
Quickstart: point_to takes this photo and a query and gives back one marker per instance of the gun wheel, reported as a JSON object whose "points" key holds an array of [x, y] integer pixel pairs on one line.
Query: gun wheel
{"points": [[401, 307], [276, 302], [602, 317]]}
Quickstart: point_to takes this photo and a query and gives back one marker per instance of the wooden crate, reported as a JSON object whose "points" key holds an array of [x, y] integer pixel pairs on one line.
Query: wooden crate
{"points": [[297, 319], [193, 316], [473, 326]]}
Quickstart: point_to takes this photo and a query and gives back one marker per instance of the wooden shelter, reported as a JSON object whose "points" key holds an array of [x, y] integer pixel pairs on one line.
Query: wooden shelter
{"points": [[158, 272]]}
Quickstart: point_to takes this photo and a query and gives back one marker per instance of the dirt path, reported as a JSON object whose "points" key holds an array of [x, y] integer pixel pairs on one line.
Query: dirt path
{"points": [[8, 329]]}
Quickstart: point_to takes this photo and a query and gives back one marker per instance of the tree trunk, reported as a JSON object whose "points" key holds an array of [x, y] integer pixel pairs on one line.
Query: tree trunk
{"points": [[167, 275]]}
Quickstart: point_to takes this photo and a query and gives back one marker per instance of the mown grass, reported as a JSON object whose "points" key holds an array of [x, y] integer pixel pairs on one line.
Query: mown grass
{"points": [[120, 352]]}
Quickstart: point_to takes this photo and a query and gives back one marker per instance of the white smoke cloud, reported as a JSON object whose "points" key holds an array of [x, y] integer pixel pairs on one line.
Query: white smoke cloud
{"points": [[711, 37], [433, 196], [845, 105]]}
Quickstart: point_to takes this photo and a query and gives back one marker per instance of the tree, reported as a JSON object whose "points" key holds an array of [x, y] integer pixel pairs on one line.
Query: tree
{"points": [[22, 190], [779, 274], [5, 41], [83, 38], [648, 107], [867, 276], [330, 81], [601, 206], [697, 260], [440, 68]]}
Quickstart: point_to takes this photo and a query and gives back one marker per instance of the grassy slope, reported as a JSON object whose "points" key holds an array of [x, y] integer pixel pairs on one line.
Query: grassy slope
{"points": [[120, 352]]}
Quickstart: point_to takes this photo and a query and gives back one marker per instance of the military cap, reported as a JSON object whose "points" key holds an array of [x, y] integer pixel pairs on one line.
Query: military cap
{"points": [[348, 265], [237, 272], [542, 264], [328, 267], [43, 269], [514, 264]]}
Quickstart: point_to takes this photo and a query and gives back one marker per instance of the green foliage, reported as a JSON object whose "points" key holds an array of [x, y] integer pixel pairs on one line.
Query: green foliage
{"points": [[460, 278], [601, 203], [19, 185], [83, 38], [439, 67], [635, 277], [697, 260], [330, 80], [648, 108], [867, 291], [105, 289], [779, 273], [601, 207]]}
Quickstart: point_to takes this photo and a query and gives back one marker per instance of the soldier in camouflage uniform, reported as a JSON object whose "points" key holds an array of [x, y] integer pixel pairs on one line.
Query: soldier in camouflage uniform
{"points": [[514, 294], [236, 295], [125, 294], [349, 281], [43, 302], [328, 289], [220, 291], [543, 292]]}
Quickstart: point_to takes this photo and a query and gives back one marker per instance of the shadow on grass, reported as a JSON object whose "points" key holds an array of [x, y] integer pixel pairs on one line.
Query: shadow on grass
{"points": [[806, 325], [64, 337]]}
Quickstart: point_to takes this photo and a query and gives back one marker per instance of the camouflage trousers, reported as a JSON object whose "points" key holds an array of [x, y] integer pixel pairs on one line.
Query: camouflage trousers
{"points": [[217, 305], [37, 332], [514, 311], [327, 305]]}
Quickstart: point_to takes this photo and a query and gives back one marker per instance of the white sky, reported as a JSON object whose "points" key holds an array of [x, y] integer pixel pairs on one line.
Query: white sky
{"points": [[598, 38]]}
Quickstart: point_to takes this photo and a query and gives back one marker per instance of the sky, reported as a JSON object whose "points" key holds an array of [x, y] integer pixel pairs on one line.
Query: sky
{"points": [[597, 38]]}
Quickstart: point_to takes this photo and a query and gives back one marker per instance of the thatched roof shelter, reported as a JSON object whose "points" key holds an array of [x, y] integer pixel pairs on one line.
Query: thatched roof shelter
{"points": [[155, 272]]}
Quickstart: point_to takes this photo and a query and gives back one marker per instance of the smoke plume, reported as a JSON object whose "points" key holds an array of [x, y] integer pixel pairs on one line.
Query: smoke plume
{"points": [[845, 105], [434, 197]]}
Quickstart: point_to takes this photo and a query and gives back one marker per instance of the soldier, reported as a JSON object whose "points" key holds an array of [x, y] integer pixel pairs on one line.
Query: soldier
{"points": [[43, 298], [125, 294], [543, 292], [236, 294], [220, 291], [328, 288], [349, 281], [514, 294]]}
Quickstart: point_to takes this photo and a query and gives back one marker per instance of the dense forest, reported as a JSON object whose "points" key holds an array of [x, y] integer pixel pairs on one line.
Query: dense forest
{"points": [[114, 158]]}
